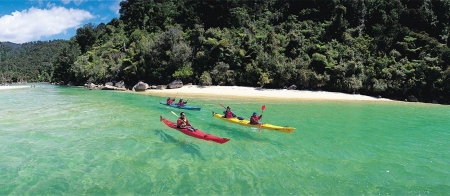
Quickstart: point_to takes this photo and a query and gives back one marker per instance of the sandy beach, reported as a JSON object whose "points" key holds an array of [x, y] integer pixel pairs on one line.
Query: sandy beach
{"points": [[249, 92], [13, 87], [240, 91]]}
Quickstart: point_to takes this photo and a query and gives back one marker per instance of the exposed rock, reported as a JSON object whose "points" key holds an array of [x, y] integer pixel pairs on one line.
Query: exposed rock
{"points": [[115, 86], [175, 84], [292, 87], [109, 87], [411, 98], [140, 86], [91, 86], [120, 84]]}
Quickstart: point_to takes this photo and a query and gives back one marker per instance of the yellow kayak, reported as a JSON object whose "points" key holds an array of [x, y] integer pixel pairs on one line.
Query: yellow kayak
{"points": [[244, 122]]}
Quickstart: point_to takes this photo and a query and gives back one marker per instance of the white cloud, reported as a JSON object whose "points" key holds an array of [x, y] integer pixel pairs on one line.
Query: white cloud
{"points": [[32, 24]]}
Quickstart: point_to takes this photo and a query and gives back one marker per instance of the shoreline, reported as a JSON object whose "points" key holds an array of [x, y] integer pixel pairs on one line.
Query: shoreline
{"points": [[13, 87], [253, 92], [245, 92]]}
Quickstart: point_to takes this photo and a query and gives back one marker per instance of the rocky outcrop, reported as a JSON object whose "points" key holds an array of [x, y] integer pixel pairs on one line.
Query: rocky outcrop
{"points": [[175, 84], [92, 86], [115, 86], [140, 86], [411, 98], [292, 87], [120, 84], [109, 87]]}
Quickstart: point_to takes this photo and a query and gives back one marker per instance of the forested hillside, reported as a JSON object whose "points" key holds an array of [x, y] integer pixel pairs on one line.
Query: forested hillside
{"points": [[390, 48], [29, 62]]}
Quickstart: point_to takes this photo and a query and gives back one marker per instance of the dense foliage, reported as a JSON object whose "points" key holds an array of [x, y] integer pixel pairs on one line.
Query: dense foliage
{"points": [[390, 48], [29, 62]]}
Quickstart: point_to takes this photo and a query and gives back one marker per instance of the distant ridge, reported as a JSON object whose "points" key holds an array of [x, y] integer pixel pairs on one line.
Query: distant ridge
{"points": [[11, 45]]}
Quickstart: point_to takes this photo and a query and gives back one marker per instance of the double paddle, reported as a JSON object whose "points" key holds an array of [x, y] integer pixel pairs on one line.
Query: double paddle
{"points": [[193, 129], [174, 114], [262, 111], [222, 106]]}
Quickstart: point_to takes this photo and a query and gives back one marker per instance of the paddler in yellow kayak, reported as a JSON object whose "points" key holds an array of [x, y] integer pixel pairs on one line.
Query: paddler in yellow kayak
{"points": [[228, 114], [254, 119]]}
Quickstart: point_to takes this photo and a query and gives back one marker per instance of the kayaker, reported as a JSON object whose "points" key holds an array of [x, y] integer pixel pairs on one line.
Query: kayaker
{"points": [[169, 101], [228, 114], [181, 103], [183, 123], [254, 119]]}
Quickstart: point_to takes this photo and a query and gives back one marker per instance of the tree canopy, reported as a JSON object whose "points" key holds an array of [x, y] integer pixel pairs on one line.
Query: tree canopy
{"points": [[389, 48]]}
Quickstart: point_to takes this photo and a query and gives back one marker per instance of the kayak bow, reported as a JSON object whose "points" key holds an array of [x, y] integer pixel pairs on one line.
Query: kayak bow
{"points": [[284, 129], [197, 133]]}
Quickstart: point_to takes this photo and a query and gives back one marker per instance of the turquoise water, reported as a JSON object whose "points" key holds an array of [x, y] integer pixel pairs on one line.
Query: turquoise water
{"points": [[71, 141]]}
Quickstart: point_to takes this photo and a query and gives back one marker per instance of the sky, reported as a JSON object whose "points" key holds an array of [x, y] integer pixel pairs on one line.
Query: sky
{"points": [[24, 21]]}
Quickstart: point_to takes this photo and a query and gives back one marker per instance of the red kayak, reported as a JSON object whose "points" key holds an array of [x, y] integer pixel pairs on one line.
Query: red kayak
{"points": [[195, 133]]}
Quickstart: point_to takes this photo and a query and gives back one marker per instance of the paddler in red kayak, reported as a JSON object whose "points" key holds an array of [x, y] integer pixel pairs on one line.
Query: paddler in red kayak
{"points": [[183, 123], [254, 119], [228, 114], [169, 101]]}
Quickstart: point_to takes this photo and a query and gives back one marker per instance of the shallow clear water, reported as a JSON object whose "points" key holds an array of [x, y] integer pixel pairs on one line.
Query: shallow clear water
{"points": [[62, 140]]}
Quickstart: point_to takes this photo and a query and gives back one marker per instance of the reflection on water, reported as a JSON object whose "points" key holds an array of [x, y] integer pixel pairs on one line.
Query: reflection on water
{"points": [[187, 147]]}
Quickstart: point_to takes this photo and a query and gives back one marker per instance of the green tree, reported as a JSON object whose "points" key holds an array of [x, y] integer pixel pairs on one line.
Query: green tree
{"points": [[205, 79]]}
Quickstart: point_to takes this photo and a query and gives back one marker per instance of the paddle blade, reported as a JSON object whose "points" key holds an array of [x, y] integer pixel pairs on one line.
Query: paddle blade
{"points": [[263, 107], [174, 113]]}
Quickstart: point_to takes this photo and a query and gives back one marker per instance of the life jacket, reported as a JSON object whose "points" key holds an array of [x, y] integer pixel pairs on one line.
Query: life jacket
{"points": [[182, 122], [254, 119], [169, 101], [181, 103], [228, 114]]}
